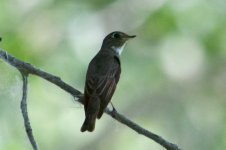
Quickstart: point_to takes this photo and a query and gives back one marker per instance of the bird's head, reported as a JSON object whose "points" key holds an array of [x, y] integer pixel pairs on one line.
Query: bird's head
{"points": [[116, 41]]}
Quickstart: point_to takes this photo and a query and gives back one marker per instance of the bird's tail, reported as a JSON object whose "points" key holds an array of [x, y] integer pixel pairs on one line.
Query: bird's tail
{"points": [[91, 112], [89, 124]]}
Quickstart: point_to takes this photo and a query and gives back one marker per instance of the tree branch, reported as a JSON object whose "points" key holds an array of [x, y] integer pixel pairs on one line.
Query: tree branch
{"points": [[23, 106], [29, 69]]}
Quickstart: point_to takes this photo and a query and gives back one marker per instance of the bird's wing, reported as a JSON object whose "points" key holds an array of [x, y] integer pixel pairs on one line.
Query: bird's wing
{"points": [[103, 85], [107, 86]]}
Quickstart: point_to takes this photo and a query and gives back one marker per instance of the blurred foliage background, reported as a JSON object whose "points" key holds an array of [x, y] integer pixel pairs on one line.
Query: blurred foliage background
{"points": [[173, 79]]}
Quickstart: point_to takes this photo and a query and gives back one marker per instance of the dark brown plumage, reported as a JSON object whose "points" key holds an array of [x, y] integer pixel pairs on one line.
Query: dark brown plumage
{"points": [[102, 77]]}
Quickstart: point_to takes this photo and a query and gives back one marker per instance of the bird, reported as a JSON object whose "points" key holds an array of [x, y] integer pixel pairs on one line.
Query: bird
{"points": [[102, 77]]}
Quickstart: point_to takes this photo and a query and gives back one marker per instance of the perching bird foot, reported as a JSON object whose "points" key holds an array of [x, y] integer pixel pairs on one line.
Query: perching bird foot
{"points": [[113, 108]]}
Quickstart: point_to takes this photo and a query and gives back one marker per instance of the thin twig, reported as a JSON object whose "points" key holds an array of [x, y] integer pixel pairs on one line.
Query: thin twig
{"points": [[23, 106], [124, 120], [57, 81]]}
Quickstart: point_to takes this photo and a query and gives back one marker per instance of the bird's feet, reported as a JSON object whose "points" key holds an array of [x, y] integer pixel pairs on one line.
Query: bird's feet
{"points": [[113, 108]]}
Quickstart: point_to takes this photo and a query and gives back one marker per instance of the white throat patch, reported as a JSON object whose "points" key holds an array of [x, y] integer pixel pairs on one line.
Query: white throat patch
{"points": [[118, 50]]}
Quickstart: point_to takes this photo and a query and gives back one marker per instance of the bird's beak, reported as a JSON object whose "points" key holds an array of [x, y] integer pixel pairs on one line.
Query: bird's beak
{"points": [[129, 36]]}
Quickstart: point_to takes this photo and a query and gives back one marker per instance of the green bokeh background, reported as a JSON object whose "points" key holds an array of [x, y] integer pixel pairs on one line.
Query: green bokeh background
{"points": [[173, 79]]}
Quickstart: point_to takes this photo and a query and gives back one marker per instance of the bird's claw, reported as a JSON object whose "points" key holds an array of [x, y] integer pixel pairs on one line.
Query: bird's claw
{"points": [[113, 108]]}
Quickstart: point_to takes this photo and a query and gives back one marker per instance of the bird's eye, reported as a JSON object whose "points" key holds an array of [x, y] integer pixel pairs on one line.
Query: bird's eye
{"points": [[116, 35]]}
